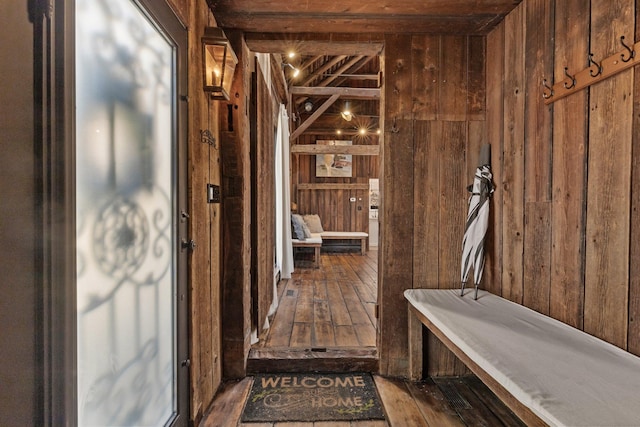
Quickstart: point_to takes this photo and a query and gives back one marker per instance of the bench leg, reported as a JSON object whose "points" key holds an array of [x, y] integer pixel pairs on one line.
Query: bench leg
{"points": [[316, 257], [363, 246], [415, 347]]}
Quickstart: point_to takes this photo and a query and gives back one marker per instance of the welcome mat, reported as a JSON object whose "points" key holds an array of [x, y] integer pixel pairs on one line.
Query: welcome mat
{"points": [[312, 397]]}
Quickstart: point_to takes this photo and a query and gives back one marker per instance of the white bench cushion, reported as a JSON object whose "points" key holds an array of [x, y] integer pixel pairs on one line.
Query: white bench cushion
{"points": [[343, 234], [565, 376], [315, 238]]}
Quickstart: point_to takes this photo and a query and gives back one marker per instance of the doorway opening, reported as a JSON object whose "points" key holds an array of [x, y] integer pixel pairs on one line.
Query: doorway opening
{"points": [[326, 317]]}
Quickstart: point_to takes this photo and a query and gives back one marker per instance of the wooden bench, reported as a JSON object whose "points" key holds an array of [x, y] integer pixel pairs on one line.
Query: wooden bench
{"points": [[546, 371], [348, 235], [314, 242]]}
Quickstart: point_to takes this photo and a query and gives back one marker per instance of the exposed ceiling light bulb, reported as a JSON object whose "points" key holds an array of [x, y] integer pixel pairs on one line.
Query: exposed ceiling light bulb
{"points": [[308, 106], [291, 54], [346, 113]]}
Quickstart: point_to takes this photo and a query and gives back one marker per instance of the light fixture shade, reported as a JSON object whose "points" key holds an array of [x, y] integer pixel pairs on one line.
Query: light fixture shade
{"points": [[346, 112], [218, 63]]}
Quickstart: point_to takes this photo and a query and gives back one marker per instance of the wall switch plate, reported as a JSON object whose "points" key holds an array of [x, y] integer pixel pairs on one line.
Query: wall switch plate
{"points": [[213, 193]]}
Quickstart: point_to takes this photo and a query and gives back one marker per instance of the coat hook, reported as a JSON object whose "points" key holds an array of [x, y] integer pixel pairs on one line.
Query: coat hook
{"points": [[632, 53], [573, 79], [394, 127], [593, 63], [547, 92]]}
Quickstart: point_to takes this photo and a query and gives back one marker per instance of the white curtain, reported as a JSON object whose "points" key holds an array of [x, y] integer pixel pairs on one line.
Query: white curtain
{"points": [[284, 249]]}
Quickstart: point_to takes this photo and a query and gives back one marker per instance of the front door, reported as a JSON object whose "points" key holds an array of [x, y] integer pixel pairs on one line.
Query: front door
{"points": [[132, 367]]}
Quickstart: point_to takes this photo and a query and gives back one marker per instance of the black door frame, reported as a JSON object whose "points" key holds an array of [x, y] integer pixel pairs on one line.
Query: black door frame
{"points": [[55, 225]]}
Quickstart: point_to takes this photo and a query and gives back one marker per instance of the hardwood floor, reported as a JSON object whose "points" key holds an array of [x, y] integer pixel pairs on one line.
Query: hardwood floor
{"points": [[333, 306], [326, 322]]}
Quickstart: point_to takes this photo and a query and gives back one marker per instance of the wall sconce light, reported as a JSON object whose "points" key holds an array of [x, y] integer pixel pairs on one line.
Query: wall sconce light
{"points": [[295, 73], [218, 63]]}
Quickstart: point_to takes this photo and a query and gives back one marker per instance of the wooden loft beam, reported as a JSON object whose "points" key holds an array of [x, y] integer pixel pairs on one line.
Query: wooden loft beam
{"points": [[355, 68], [357, 76], [328, 79], [306, 64], [311, 77], [328, 103], [355, 150], [343, 92]]}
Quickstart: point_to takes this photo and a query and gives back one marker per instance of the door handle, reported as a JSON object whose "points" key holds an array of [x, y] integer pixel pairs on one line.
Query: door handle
{"points": [[190, 244]]}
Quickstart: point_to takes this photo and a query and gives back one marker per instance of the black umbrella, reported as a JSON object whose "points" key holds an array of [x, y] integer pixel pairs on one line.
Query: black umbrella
{"points": [[477, 221]]}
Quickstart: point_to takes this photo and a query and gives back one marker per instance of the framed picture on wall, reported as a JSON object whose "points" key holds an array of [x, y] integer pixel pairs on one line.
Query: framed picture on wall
{"points": [[334, 165]]}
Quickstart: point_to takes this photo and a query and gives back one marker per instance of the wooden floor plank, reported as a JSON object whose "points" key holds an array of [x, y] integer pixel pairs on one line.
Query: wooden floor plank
{"points": [[356, 310], [226, 409], [304, 303], [477, 414], [301, 335], [491, 401], [345, 335], [281, 335], [433, 406], [339, 311], [321, 312], [400, 408], [323, 335], [366, 334]]}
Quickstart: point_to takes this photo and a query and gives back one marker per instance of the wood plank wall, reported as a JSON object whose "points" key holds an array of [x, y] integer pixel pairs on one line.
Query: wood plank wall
{"points": [[563, 237], [333, 207], [264, 184], [204, 224], [236, 215], [434, 124]]}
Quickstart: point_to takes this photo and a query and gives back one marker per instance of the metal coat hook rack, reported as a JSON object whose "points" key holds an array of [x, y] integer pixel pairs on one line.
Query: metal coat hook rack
{"points": [[594, 73]]}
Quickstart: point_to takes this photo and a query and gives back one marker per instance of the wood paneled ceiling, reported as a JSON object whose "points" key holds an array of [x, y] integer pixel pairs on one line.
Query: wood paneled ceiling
{"points": [[361, 16], [337, 46]]}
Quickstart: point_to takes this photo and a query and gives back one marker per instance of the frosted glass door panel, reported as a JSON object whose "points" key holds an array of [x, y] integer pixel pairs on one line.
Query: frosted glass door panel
{"points": [[126, 230]]}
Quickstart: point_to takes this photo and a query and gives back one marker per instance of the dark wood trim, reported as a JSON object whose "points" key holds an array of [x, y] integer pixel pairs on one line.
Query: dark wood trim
{"points": [[289, 359], [356, 150], [320, 44], [344, 92], [55, 181], [520, 409], [332, 186], [325, 105]]}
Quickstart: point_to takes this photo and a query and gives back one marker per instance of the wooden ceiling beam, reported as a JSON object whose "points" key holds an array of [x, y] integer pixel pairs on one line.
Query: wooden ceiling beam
{"points": [[366, 7], [316, 44], [327, 65], [355, 68], [303, 126], [343, 92], [356, 150], [285, 22], [346, 66], [307, 63], [328, 79]]}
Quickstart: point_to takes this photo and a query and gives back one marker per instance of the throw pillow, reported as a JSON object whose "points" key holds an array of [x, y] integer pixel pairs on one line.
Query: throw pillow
{"points": [[298, 229], [314, 223]]}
